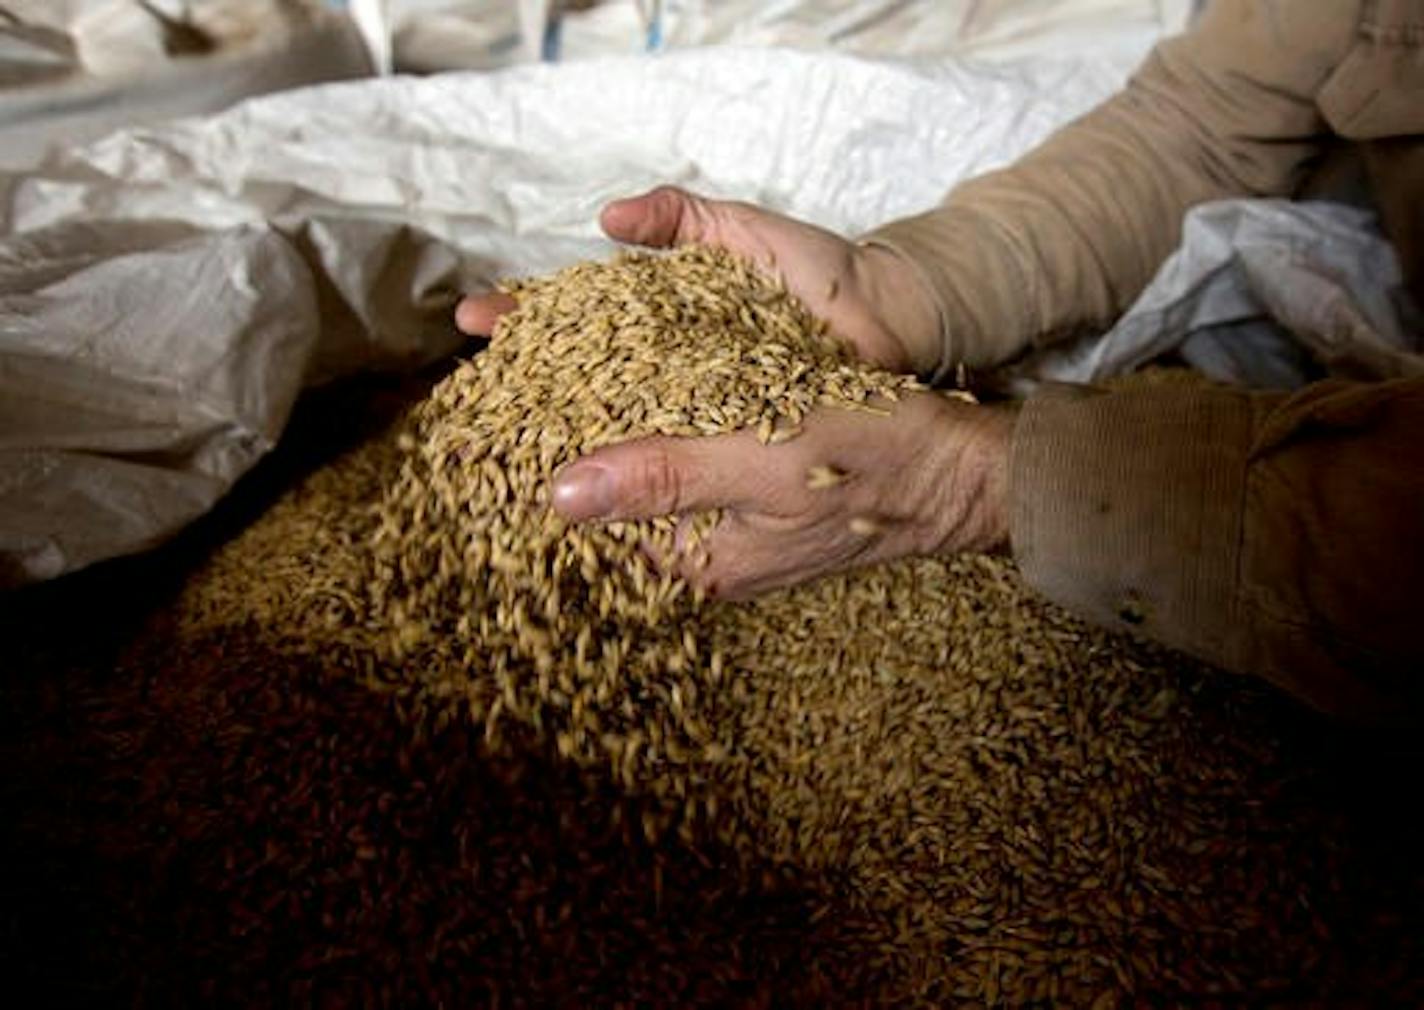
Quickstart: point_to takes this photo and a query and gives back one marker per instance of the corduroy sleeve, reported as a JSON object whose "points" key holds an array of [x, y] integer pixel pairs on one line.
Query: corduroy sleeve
{"points": [[1281, 535]]}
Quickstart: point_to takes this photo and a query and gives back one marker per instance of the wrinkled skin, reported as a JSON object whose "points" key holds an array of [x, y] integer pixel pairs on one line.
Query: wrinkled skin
{"points": [[931, 477]]}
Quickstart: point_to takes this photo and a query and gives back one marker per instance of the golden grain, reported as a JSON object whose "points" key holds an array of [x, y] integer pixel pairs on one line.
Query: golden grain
{"points": [[823, 476], [997, 800]]}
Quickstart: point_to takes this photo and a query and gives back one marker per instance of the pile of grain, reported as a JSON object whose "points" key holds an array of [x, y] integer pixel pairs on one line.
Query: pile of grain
{"points": [[913, 785], [570, 629]]}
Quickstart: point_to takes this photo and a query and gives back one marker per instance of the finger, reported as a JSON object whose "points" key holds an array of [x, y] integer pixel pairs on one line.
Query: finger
{"points": [[744, 560], [666, 216], [657, 477], [476, 314]]}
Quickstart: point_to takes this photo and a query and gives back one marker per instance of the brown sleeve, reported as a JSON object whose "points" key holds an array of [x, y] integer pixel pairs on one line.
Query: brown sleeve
{"points": [[1062, 242], [1274, 534]]}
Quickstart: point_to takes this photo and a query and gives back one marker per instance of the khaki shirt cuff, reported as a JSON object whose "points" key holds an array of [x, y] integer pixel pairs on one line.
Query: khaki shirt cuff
{"points": [[1127, 508]]}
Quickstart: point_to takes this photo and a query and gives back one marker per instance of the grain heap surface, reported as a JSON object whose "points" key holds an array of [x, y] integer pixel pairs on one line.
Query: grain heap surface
{"points": [[929, 788]]}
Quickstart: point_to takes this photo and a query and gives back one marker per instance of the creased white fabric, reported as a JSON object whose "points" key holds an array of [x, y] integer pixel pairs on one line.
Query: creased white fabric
{"points": [[1262, 293], [75, 70], [479, 34]]}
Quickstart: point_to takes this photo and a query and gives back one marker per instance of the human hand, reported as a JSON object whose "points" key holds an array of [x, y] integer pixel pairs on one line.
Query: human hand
{"points": [[853, 488], [868, 294]]}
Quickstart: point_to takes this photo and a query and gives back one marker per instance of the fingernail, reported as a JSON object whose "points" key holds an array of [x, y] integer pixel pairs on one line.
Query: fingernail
{"points": [[584, 491]]}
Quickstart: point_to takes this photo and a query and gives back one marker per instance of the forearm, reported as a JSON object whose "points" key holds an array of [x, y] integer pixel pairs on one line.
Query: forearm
{"points": [[1271, 534], [1062, 242], [1059, 244]]}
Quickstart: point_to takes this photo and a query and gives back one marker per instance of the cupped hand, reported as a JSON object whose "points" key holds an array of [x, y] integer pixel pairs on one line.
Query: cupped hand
{"points": [[868, 294], [854, 488]]}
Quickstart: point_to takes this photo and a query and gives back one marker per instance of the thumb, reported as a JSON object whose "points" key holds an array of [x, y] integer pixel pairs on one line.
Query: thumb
{"points": [[666, 216], [654, 477], [476, 315]]}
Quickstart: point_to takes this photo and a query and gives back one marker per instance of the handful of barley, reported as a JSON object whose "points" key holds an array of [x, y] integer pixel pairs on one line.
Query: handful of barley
{"points": [[468, 554]]}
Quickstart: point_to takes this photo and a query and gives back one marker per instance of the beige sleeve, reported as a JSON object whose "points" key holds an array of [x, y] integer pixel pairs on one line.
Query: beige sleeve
{"points": [[1274, 534], [1062, 242]]}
